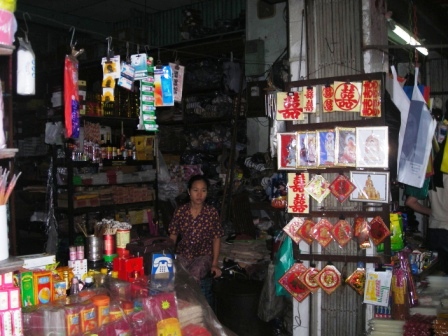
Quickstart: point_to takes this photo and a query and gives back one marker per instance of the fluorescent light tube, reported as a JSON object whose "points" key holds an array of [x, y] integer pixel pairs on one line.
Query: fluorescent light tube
{"points": [[408, 39]]}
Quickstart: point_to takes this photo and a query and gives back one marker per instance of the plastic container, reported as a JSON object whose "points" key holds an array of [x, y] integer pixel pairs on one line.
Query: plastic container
{"points": [[128, 307], [115, 311], [72, 319], [72, 252], [80, 252], [88, 316], [102, 304]]}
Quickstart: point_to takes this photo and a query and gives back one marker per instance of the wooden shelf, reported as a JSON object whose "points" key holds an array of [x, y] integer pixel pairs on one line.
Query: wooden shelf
{"points": [[6, 49], [7, 153], [11, 264]]}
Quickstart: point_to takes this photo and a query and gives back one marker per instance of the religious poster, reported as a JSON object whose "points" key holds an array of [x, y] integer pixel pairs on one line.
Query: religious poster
{"points": [[347, 96], [286, 150]]}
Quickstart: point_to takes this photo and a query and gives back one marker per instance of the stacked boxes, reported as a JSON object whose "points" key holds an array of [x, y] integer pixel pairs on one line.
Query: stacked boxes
{"points": [[10, 307], [79, 267]]}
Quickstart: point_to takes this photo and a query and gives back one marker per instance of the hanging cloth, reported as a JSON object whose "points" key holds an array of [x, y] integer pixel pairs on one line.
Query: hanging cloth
{"points": [[71, 97], [26, 71], [417, 141]]}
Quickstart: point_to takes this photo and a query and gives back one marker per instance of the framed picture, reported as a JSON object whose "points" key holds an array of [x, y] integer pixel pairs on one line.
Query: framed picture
{"points": [[326, 147], [287, 150], [345, 146], [308, 155], [370, 186], [372, 147]]}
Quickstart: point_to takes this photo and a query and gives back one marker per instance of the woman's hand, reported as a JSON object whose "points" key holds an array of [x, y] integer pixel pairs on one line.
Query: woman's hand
{"points": [[216, 271]]}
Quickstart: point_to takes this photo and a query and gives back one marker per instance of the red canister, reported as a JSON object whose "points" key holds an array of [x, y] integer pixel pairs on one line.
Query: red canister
{"points": [[109, 244]]}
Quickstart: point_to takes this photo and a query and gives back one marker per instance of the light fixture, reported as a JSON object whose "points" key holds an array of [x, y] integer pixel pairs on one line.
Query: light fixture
{"points": [[408, 39]]}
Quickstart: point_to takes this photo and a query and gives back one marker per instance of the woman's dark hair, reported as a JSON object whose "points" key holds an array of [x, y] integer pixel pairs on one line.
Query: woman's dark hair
{"points": [[195, 178]]}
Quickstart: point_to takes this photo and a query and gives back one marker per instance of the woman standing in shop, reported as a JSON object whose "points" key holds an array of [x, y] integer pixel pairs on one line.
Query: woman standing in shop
{"points": [[200, 231]]}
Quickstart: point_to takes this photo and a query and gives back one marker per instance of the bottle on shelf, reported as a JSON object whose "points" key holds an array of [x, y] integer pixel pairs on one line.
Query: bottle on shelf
{"points": [[109, 147], [67, 282], [74, 288], [103, 148]]}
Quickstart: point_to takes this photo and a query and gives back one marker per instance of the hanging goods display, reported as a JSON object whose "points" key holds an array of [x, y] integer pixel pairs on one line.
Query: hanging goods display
{"points": [[71, 93], [357, 279], [329, 278], [292, 227], [417, 140], [292, 283], [318, 188], [26, 68], [341, 188]]}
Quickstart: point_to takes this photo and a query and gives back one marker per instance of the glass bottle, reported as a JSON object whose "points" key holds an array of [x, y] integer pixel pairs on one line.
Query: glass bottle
{"points": [[67, 282], [74, 288]]}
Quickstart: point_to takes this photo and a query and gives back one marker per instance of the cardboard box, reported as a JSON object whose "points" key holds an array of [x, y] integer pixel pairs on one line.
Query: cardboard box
{"points": [[79, 267], [26, 284], [31, 261], [43, 287], [144, 146]]}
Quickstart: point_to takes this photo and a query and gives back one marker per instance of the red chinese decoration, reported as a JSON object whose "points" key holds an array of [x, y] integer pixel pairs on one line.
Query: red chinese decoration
{"points": [[298, 201], [371, 99], [321, 232], [289, 105], [342, 187], [305, 229], [292, 283], [347, 96], [309, 100], [342, 232], [329, 278], [378, 230], [328, 98]]}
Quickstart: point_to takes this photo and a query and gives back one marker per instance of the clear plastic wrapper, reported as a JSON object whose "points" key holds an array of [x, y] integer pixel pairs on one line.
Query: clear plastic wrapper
{"points": [[121, 308]]}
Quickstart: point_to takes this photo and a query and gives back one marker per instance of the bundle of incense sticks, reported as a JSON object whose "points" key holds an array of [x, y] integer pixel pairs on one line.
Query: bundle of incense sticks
{"points": [[5, 188]]}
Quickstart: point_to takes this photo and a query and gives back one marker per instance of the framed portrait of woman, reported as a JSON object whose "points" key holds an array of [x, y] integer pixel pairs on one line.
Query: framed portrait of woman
{"points": [[345, 146], [287, 150], [307, 149], [372, 148], [326, 148]]}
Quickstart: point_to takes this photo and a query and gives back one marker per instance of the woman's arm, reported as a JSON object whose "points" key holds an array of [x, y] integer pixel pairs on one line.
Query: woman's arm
{"points": [[216, 249]]}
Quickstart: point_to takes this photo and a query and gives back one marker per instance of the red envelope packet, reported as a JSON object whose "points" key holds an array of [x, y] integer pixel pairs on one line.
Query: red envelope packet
{"points": [[329, 278], [292, 227], [305, 229], [309, 279], [322, 232], [342, 232], [378, 230], [292, 283], [357, 280], [317, 188], [342, 187]]}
